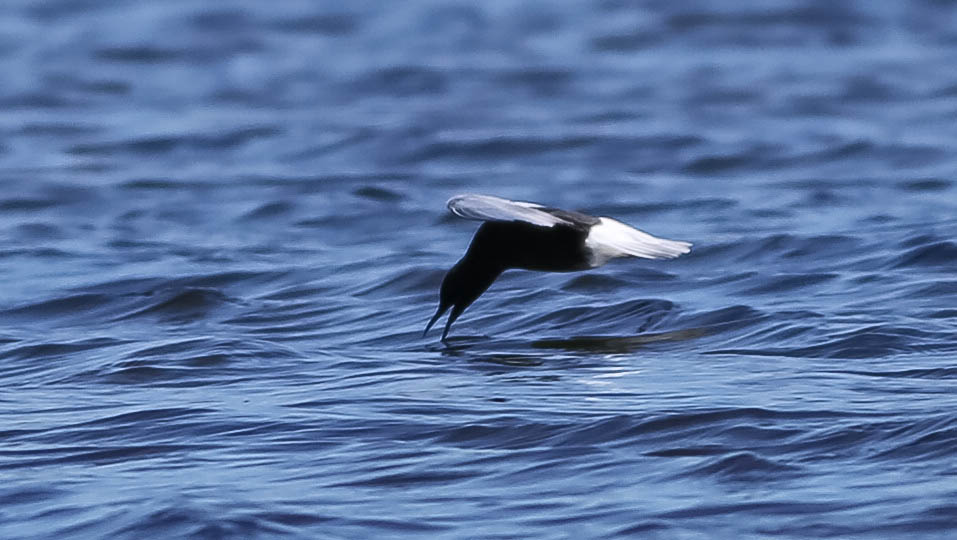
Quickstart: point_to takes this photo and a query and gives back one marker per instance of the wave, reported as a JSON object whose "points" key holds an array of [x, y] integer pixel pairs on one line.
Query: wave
{"points": [[745, 466]]}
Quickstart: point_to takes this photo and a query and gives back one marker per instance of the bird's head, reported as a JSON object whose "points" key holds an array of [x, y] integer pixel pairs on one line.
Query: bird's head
{"points": [[465, 282], [451, 295]]}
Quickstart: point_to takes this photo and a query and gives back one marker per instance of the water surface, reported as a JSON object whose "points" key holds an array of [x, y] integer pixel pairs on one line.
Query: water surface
{"points": [[222, 231]]}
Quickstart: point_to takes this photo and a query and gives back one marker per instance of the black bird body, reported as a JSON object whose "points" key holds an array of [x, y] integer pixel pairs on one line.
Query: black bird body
{"points": [[520, 245], [529, 236]]}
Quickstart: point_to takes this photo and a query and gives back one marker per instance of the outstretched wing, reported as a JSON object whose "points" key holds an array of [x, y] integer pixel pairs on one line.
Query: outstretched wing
{"points": [[606, 239], [488, 208]]}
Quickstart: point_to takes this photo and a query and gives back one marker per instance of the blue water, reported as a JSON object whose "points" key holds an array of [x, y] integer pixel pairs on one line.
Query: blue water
{"points": [[222, 231]]}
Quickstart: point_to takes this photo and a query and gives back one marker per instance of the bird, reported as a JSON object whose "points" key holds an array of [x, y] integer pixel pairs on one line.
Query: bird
{"points": [[531, 236]]}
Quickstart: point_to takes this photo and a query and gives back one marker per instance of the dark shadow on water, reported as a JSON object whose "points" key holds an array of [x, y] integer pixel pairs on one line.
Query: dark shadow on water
{"points": [[457, 344], [616, 344], [523, 353], [485, 349]]}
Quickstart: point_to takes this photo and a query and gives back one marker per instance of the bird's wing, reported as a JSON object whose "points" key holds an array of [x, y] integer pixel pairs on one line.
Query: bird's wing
{"points": [[488, 208]]}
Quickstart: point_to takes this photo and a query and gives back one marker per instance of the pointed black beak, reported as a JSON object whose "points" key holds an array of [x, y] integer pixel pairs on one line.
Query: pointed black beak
{"points": [[438, 313], [456, 311]]}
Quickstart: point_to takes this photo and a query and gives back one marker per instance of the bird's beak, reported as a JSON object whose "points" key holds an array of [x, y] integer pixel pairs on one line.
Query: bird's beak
{"points": [[456, 311], [438, 313]]}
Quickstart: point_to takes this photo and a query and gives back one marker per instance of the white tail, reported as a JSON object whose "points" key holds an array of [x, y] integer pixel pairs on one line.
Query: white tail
{"points": [[610, 239]]}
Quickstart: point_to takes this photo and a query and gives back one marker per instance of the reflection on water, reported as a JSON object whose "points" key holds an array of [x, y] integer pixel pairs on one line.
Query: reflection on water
{"points": [[492, 350], [617, 344]]}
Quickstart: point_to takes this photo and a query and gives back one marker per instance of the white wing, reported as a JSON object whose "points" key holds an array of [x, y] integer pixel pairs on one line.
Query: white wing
{"points": [[488, 208], [610, 239]]}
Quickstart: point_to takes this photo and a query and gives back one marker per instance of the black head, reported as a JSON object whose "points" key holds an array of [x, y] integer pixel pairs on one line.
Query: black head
{"points": [[461, 286], [449, 297]]}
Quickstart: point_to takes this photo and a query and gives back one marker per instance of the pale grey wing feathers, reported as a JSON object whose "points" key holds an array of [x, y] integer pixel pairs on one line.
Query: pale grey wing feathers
{"points": [[488, 208]]}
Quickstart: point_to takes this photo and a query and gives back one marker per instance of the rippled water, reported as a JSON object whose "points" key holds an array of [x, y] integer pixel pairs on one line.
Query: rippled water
{"points": [[223, 231]]}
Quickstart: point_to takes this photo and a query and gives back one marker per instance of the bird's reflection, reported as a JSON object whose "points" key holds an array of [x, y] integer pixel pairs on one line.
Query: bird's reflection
{"points": [[616, 344], [522, 353]]}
